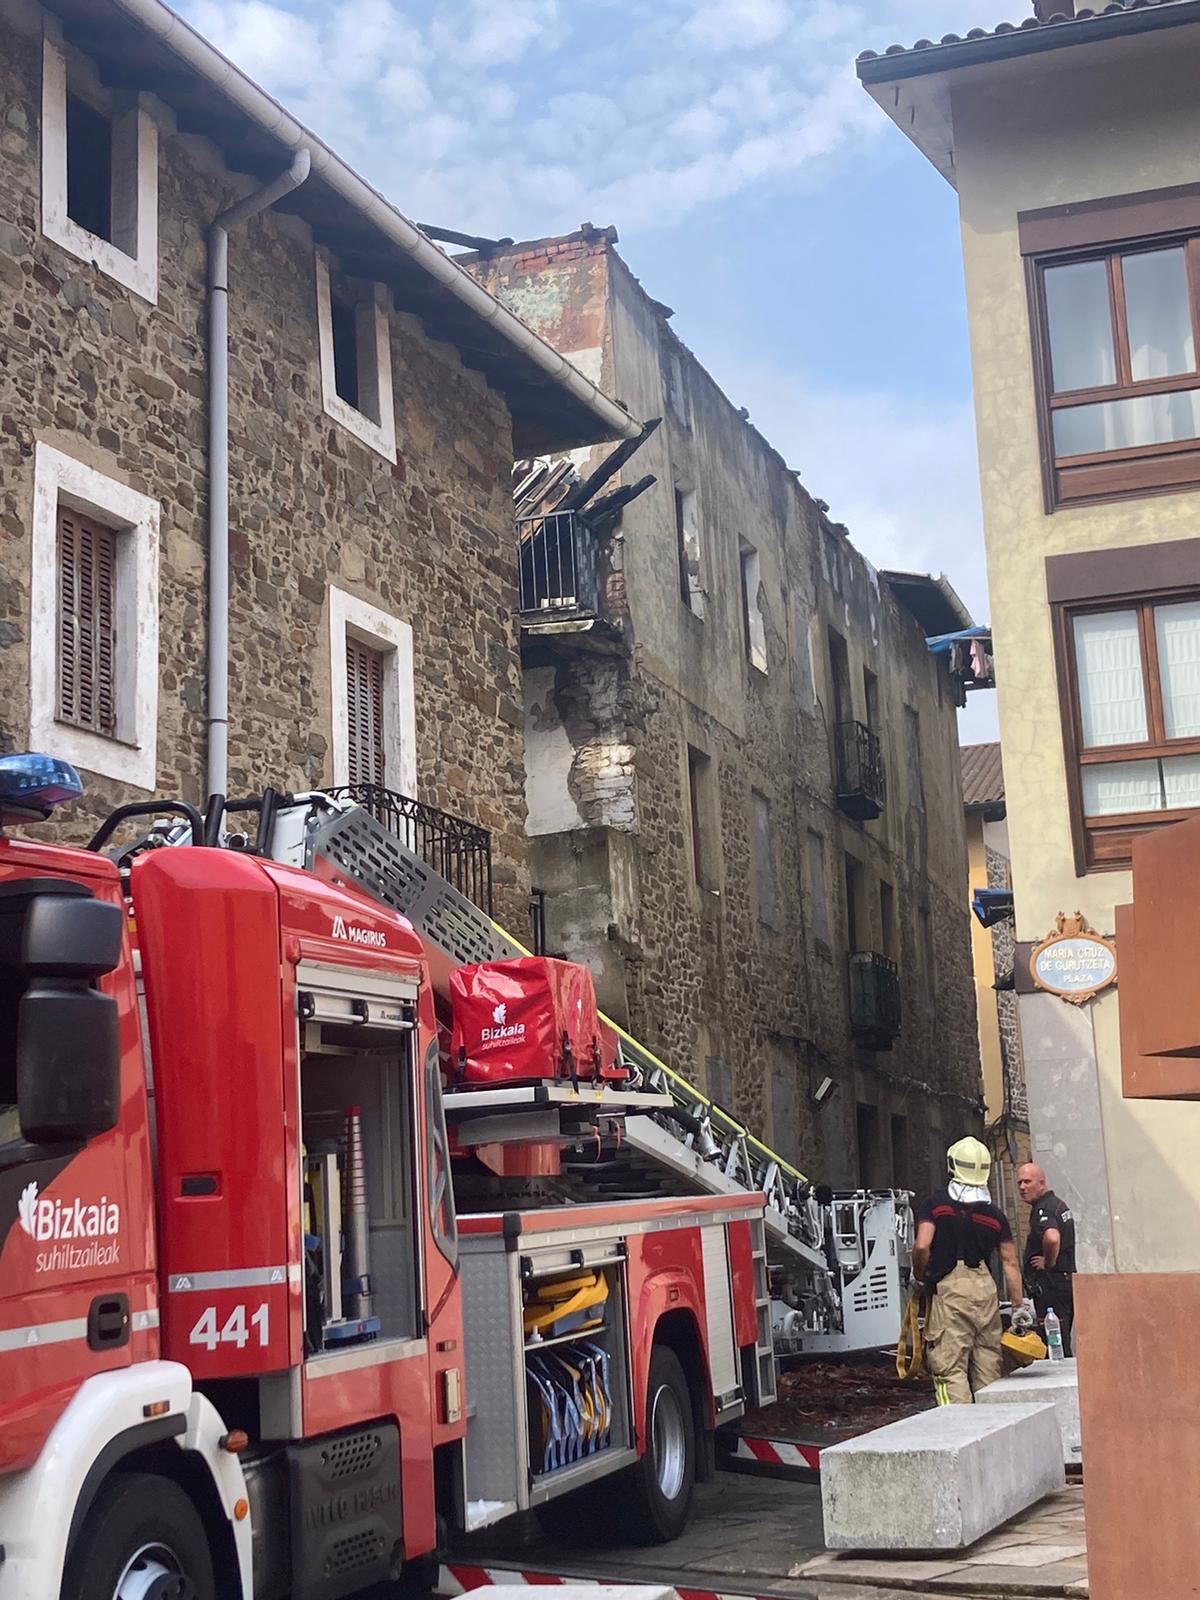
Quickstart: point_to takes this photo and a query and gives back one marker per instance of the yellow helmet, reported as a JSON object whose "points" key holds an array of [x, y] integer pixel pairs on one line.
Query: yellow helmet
{"points": [[969, 1161], [1021, 1349]]}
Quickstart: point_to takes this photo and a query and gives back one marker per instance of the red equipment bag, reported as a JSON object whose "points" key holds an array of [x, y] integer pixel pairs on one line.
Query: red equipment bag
{"points": [[530, 1018]]}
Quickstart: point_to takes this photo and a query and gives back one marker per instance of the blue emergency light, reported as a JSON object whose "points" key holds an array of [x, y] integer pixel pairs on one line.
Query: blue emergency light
{"points": [[32, 785]]}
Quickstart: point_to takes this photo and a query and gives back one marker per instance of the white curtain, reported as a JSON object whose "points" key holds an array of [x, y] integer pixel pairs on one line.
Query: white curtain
{"points": [[1120, 786], [1181, 781], [1178, 630], [1112, 698]]}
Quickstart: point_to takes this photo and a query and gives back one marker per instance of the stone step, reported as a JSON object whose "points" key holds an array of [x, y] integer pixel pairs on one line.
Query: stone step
{"points": [[1053, 1383], [939, 1480]]}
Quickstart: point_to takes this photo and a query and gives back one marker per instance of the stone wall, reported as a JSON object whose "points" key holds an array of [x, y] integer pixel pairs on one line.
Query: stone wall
{"points": [[743, 986], [119, 383]]}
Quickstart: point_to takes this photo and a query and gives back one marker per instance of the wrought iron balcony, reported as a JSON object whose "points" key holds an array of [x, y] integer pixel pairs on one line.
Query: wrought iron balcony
{"points": [[861, 781], [874, 1000], [460, 851], [558, 567]]}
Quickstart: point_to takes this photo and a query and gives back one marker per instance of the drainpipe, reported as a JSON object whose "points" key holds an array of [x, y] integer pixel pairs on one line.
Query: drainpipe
{"points": [[218, 460]]}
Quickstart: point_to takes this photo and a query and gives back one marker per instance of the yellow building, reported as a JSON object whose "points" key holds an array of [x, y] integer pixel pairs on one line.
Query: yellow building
{"points": [[1072, 142], [992, 954]]}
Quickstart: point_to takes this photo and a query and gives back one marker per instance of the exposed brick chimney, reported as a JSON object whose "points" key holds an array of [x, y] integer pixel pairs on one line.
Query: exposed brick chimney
{"points": [[1043, 10]]}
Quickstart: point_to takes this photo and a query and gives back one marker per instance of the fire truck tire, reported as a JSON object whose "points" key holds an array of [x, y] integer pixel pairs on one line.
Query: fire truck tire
{"points": [[663, 1479], [142, 1537]]}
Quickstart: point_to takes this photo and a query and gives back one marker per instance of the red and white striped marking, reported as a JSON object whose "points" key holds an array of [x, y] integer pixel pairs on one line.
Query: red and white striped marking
{"points": [[459, 1580], [779, 1453]]}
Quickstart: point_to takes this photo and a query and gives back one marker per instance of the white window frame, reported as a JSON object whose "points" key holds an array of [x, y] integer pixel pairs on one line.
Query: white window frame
{"points": [[374, 359], [132, 755], [135, 209], [750, 577], [378, 630], [693, 529]]}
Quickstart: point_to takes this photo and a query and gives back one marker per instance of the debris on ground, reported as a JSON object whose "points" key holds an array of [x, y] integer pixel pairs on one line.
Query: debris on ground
{"points": [[823, 1402]]}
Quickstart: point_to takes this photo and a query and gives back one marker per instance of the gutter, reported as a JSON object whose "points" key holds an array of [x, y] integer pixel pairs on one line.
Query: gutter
{"points": [[270, 116], [1021, 41], [217, 758]]}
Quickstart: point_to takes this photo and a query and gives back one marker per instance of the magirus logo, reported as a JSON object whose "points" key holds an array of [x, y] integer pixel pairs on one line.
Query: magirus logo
{"points": [[55, 1222], [352, 935], [503, 1029]]}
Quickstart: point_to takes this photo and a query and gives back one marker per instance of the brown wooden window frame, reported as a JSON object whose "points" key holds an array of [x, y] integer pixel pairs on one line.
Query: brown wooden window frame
{"points": [[366, 713], [1108, 230], [86, 619], [1105, 843]]}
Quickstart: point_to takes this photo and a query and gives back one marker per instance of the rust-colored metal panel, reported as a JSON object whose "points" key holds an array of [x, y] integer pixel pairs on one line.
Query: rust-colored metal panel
{"points": [[1145, 1077], [1166, 896], [1139, 1406]]}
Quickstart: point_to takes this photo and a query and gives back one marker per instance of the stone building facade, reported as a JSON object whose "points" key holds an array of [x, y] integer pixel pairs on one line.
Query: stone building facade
{"points": [[369, 488], [685, 752]]}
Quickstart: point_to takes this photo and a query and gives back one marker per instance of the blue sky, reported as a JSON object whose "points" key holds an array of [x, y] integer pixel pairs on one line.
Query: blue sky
{"points": [[809, 251]]}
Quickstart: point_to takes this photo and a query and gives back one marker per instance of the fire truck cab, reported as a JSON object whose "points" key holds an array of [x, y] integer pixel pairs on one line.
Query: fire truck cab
{"points": [[248, 1346]]}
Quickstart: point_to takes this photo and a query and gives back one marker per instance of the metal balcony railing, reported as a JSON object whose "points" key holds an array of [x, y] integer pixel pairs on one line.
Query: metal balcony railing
{"points": [[558, 568], [874, 1000], [861, 780], [460, 851]]}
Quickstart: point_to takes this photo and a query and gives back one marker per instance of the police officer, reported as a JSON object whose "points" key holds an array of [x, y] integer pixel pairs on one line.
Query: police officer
{"points": [[959, 1233], [1049, 1261]]}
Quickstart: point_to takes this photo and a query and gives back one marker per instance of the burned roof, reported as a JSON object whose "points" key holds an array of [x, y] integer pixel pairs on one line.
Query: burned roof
{"points": [[983, 779], [141, 45], [1087, 24]]}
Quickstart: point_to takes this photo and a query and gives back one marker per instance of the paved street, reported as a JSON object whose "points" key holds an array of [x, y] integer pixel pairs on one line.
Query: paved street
{"points": [[762, 1536]]}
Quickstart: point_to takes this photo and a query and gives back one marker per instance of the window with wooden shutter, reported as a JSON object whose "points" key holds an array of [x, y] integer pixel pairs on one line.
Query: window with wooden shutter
{"points": [[87, 567], [364, 713]]}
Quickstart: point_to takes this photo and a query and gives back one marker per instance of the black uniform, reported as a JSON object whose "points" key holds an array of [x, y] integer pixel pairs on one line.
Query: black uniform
{"points": [[1051, 1286]]}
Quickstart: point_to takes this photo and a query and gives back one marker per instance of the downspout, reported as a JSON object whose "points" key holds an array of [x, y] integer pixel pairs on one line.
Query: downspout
{"points": [[217, 763]]}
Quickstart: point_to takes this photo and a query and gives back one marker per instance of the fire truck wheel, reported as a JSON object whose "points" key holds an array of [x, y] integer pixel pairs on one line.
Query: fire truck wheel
{"points": [[142, 1538], [663, 1479]]}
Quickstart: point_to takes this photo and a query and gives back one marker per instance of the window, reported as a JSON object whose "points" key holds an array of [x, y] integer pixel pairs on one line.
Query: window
{"points": [[99, 173], [676, 392], [703, 804], [818, 895], [753, 621], [928, 959], [364, 713], [87, 600], [1116, 344], [902, 1176], [1132, 718], [356, 358], [687, 540], [373, 701], [912, 750], [887, 920], [866, 1123], [764, 866], [855, 908], [93, 660], [839, 675], [871, 698]]}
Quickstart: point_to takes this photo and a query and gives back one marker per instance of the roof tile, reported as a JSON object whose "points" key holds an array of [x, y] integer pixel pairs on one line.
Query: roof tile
{"points": [[1083, 14], [982, 775]]}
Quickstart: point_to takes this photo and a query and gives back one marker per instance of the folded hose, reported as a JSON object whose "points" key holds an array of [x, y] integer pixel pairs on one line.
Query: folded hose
{"points": [[910, 1348]]}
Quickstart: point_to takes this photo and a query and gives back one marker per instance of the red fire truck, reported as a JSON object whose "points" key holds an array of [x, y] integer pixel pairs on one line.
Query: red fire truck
{"points": [[268, 1325]]}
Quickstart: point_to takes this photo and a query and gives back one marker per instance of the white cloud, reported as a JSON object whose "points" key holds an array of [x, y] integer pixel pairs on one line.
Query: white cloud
{"points": [[738, 24]]}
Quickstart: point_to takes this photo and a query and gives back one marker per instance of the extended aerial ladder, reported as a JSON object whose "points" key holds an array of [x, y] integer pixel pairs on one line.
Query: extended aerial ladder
{"points": [[837, 1261]]}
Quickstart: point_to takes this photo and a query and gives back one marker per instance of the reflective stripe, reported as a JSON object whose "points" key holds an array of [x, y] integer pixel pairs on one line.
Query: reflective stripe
{"points": [[38, 1333], [242, 1278], [35, 1334]]}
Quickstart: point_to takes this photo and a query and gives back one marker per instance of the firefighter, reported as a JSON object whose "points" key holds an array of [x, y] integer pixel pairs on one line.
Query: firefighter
{"points": [[959, 1232], [1049, 1262]]}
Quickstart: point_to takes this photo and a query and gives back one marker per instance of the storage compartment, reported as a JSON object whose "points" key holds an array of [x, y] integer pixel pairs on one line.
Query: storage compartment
{"points": [[548, 1400], [572, 1367], [357, 1121]]}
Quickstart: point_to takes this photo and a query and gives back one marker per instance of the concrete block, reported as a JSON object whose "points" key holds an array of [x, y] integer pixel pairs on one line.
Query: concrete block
{"points": [[939, 1480], [1054, 1383]]}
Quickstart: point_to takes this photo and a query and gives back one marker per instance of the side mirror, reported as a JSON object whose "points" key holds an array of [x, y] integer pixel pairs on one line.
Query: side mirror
{"points": [[68, 1049]]}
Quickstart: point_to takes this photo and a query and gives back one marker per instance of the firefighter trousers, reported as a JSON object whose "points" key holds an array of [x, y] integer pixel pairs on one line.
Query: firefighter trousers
{"points": [[962, 1335]]}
